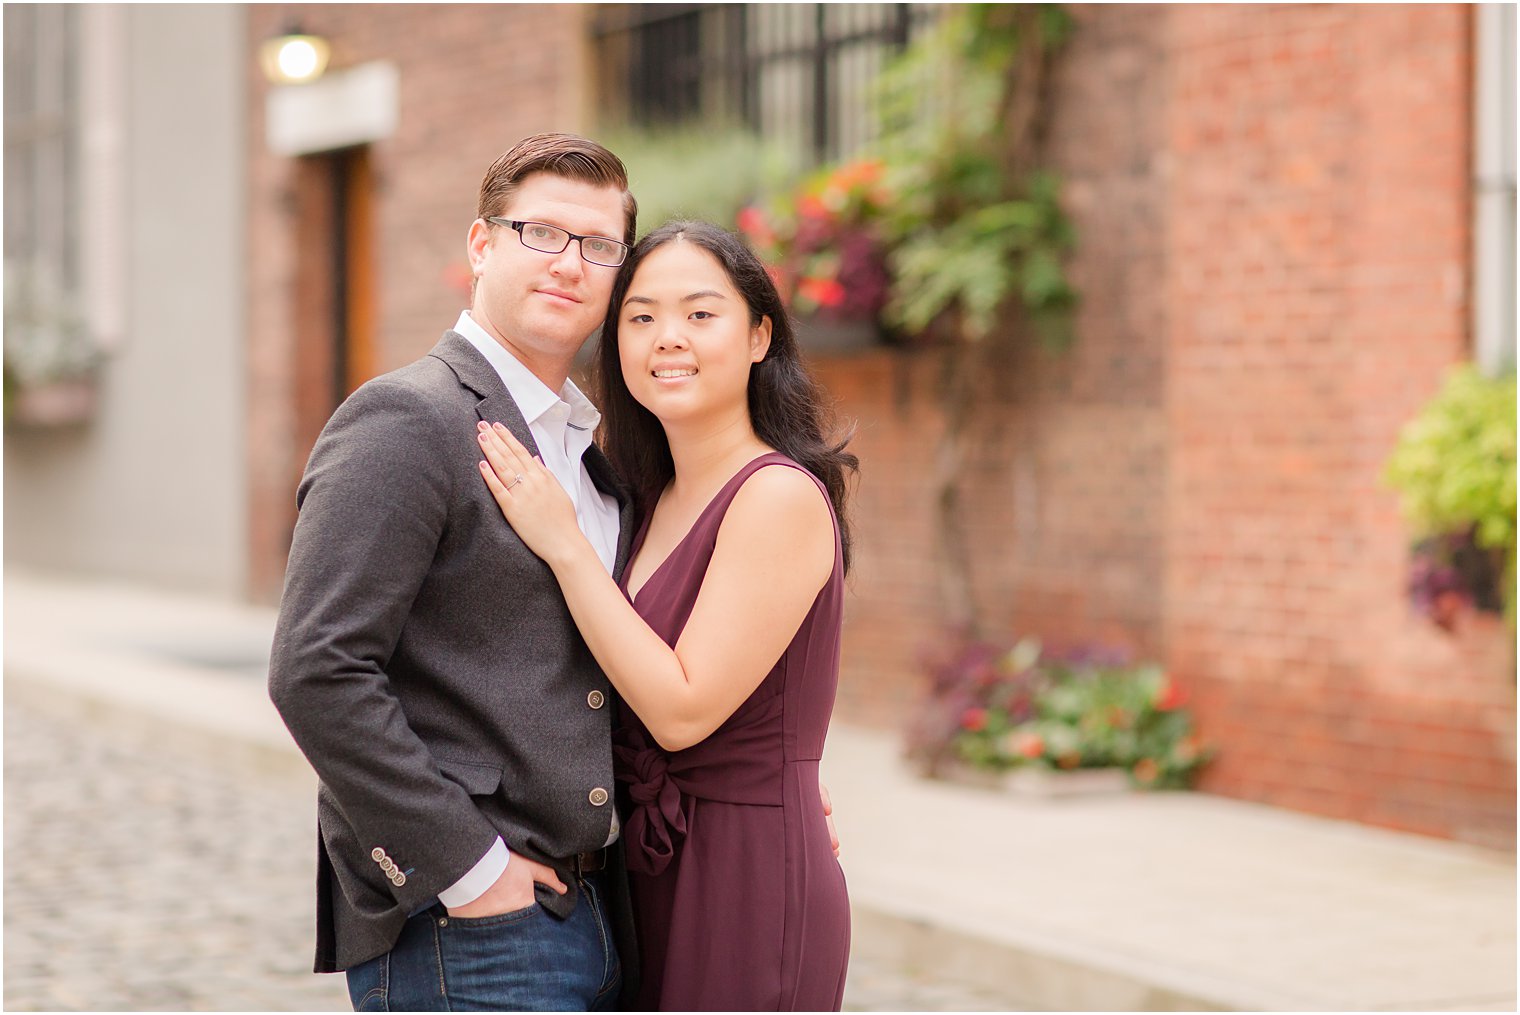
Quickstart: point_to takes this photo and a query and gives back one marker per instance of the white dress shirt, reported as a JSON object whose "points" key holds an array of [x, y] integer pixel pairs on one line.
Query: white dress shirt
{"points": [[562, 425]]}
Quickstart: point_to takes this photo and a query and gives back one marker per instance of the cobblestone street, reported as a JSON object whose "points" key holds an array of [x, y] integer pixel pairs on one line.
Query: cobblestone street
{"points": [[151, 868]]}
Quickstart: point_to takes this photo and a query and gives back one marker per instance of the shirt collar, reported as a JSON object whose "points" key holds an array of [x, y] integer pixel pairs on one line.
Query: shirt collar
{"points": [[533, 396], [583, 415]]}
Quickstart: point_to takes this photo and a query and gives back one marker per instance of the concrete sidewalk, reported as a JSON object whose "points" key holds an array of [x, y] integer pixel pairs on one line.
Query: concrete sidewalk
{"points": [[1124, 902]]}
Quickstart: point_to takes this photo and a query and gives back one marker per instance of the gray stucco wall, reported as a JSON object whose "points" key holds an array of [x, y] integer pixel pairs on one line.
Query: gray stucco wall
{"points": [[154, 487]]}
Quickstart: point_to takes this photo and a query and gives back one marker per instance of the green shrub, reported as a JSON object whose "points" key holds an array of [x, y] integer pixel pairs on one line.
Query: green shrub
{"points": [[706, 172]]}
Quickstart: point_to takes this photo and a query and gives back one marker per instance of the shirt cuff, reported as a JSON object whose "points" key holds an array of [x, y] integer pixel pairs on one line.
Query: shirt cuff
{"points": [[481, 876]]}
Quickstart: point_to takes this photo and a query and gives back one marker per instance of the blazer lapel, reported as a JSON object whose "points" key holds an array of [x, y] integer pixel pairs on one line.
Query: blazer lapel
{"points": [[474, 372], [497, 406], [606, 480]]}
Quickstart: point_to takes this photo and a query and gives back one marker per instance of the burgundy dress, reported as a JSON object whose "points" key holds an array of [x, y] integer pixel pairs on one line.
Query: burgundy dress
{"points": [[739, 900]]}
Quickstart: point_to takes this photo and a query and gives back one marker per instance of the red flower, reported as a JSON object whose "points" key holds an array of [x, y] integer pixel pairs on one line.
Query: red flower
{"points": [[1031, 746], [851, 181], [812, 206], [825, 292], [974, 719], [752, 223], [1170, 696], [864, 171]]}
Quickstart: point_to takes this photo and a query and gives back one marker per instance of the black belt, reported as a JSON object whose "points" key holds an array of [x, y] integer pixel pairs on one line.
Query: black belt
{"points": [[587, 863]]}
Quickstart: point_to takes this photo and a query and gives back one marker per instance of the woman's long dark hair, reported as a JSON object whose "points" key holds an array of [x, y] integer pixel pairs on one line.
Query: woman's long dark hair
{"points": [[788, 408]]}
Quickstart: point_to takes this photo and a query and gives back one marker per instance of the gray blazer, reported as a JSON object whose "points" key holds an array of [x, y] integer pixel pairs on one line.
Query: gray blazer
{"points": [[426, 663]]}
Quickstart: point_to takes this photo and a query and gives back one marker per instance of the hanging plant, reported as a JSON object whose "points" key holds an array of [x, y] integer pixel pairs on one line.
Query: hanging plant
{"points": [[1454, 466]]}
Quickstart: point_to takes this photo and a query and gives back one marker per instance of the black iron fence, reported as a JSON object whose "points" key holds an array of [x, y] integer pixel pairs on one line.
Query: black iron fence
{"points": [[797, 74]]}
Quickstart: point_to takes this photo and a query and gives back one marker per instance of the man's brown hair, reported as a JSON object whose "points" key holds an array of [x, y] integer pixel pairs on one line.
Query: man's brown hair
{"points": [[567, 155]]}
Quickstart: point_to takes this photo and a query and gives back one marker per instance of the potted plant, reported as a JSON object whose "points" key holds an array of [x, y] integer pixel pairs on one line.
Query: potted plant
{"points": [[51, 362], [824, 245], [1454, 466], [1051, 724], [977, 691]]}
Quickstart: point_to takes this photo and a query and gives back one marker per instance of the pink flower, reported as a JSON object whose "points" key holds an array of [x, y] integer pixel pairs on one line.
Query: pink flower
{"points": [[974, 719]]}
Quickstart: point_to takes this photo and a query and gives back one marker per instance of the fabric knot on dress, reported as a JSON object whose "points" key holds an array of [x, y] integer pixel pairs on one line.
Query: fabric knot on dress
{"points": [[656, 826]]}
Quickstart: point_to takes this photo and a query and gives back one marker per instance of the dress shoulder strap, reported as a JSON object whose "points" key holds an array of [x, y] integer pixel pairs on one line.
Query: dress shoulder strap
{"points": [[712, 517]]}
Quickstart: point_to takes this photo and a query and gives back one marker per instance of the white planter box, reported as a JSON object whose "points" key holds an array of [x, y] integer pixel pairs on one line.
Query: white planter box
{"points": [[1042, 783]]}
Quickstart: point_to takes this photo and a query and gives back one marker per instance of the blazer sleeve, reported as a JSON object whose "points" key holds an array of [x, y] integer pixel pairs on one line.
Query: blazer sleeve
{"points": [[373, 505]]}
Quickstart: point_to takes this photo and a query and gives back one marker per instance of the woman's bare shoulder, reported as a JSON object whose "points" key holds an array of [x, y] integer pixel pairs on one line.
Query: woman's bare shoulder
{"points": [[783, 500]]}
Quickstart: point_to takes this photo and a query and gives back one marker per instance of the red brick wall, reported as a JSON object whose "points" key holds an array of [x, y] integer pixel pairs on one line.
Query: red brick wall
{"points": [[473, 80], [1317, 275]]}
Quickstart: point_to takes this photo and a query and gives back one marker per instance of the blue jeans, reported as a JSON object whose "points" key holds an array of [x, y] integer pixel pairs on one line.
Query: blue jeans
{"points": [[529, 960]]}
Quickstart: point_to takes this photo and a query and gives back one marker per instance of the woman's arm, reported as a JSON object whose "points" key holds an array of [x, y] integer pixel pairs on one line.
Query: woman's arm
{"points": [[774, 552]]}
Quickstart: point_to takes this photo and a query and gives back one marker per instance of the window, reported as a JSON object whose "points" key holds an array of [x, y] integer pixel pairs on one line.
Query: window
{"points": [[798, 74], [43, 331], [62, 180]]}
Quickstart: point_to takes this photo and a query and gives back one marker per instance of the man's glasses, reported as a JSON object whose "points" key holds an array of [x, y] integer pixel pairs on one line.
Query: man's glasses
{"points": [[549, 239]]}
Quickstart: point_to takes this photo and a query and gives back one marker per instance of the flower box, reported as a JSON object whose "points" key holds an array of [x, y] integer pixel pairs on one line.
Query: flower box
{"points": [[1040, 783], [1046, 724], [1052, 783], [823, 336], [55, 403]]}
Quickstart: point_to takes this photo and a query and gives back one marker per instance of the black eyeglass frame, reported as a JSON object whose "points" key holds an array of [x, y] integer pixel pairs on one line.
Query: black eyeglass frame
{"points": [[516, 225]]}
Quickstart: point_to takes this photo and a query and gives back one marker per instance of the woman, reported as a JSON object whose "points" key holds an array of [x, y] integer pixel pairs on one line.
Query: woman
{"points": [[724, 640]]}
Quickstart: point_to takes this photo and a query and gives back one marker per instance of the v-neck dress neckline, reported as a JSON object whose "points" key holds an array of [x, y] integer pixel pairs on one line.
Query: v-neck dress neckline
{"points": [[744, 472]]}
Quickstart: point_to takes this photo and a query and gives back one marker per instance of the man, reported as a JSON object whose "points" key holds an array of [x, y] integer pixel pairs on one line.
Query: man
{"points": [[424, 658]]}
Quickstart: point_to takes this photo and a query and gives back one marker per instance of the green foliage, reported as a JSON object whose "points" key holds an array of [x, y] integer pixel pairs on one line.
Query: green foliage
{"points": [[1093, 709], [1455, 465], [706, 172], [942, 88], [1455, 461], [1131, 719], [968, 233], [975, 262]]}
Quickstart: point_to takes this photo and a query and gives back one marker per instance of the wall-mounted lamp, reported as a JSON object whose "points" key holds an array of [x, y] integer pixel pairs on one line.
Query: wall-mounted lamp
{"points": [[293, 57]]}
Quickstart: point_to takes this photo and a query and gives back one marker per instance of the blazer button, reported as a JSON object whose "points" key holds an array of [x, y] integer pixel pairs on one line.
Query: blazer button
{"points": [[377, 854], [398, 879], [388, 865], [596, 699], [597, 797]]}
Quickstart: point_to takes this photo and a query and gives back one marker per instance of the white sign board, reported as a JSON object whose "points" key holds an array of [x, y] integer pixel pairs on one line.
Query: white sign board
{"points": [[338, 110]]}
